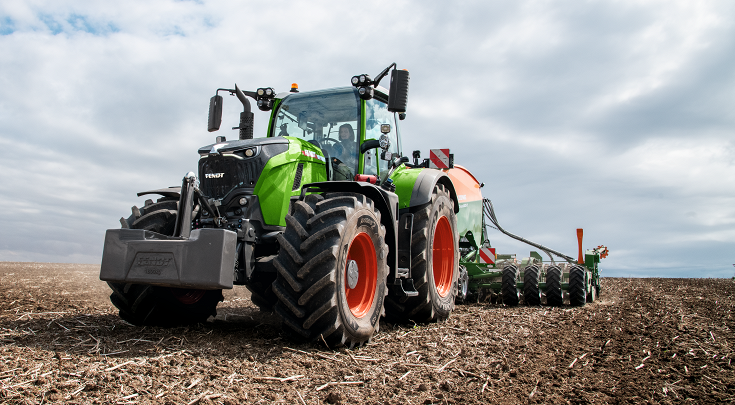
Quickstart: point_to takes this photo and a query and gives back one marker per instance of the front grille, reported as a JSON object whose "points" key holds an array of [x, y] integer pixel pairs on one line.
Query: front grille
{"points": [[221, 174]]}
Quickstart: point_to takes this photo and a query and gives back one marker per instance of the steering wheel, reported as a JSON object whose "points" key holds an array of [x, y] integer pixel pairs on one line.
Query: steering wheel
{"points": [[333, 146]]}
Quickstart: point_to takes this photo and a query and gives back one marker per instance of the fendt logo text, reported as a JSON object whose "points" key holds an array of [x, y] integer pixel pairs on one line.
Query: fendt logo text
{"points": [[153, 261], [214, 175]]}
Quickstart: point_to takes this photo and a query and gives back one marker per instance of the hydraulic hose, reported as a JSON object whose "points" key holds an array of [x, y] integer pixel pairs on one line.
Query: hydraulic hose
{"points": [[487, 209]]}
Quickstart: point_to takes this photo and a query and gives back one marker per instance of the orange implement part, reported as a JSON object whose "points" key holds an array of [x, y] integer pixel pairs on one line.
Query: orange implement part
{"points": [[443, 257], [465, 184], [580, 232], [360, 298]]}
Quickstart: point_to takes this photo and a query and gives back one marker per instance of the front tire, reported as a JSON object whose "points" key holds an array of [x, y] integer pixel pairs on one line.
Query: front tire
{"points": [[150, 305], [260, 284], [434, 263], [331, 270]]}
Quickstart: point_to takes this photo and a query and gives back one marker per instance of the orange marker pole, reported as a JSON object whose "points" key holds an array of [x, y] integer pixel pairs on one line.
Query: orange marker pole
{"points": [[580, 232]]}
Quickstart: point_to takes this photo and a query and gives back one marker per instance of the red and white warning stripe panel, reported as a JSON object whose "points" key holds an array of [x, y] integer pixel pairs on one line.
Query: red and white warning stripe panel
{"points": [[487, 255], [439, 159], [313, 155]]}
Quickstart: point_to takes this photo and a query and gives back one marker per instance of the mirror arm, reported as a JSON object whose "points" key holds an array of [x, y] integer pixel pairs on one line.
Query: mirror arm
{"points": [[234, 91], [382, 74]]}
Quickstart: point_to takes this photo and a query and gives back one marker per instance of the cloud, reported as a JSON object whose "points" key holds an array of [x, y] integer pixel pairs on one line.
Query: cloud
{"points": [[613, 116]]}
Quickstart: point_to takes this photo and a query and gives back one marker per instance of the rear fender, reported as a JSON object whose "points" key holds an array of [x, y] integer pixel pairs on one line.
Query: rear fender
{"points": [[420, 183]]}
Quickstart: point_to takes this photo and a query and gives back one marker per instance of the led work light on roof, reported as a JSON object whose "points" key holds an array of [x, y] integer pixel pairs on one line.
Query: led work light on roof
{"points": [[265, 98], [366, 93], [364, 86]]}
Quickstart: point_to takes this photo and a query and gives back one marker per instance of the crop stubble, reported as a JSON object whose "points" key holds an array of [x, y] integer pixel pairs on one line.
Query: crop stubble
{"points": [[646, 341]]}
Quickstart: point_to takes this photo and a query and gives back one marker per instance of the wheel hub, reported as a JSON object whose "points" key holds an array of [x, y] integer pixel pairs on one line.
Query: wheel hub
{"points": [[360, 288], [353, 274]]}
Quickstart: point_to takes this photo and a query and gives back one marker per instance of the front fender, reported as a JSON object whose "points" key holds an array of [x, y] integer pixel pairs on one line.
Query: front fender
{"points": [[385, 201], [172, 192]]}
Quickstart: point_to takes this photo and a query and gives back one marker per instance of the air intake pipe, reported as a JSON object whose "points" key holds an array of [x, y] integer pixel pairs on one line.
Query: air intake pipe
{"points": [[246, 117]]}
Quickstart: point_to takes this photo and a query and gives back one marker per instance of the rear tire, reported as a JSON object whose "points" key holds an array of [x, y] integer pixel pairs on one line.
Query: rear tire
{"points": [[331, 270], [150, 305], [553, 287], [531, 293], [577, 286], [509, 287], [434, 263]]}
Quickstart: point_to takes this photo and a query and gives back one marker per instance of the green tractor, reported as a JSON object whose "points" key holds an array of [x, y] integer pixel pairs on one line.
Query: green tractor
{"points": [[324, 220]]}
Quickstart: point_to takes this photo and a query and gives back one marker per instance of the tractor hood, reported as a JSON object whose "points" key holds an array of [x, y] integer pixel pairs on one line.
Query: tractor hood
{"points": [[241, 145], [226, 166]]}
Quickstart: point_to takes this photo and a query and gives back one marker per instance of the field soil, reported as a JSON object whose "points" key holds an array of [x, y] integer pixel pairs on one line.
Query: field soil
{"points": [[645, 341]]}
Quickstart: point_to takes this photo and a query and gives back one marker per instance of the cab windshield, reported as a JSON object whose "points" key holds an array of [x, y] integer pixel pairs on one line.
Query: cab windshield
{"points": [[329, 119]]}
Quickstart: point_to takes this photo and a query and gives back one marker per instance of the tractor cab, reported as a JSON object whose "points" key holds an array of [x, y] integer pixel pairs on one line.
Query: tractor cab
{"points": [[346, 127]]}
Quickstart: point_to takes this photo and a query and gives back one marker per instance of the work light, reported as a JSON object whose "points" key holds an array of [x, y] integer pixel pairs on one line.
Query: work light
{"points": [[366, 93]]}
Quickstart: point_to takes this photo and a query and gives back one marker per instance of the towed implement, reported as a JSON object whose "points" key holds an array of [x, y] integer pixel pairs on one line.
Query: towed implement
{"points": [[324, 220]]}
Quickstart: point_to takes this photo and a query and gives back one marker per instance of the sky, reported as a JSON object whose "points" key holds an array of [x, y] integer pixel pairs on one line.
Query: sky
{"points": [[612, 116]]}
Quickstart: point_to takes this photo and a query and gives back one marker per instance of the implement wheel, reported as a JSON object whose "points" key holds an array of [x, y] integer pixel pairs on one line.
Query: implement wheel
{"points": [[463, 284], [331, 270], [592, 295], [531, 292], [509, 288], [161, 306], [553, 287], [577, 286], [434, 263]]}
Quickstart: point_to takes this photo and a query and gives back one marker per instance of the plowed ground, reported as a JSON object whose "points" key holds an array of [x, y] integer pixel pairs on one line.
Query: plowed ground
{"points": [[645, 341]]}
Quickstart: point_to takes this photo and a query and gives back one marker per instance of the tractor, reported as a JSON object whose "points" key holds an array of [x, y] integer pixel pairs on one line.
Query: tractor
{"points": [[324, 220]]}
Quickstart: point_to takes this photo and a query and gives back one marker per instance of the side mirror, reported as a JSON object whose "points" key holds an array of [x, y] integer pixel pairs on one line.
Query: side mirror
{"points": [[215, 113], [398, 98]]}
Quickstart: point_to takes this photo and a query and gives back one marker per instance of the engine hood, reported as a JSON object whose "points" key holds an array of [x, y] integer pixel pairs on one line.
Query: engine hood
{"points": [[240, 144]]}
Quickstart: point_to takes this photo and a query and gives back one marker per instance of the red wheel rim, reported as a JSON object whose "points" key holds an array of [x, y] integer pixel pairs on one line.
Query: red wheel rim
{"points": [[443, 257], [187, 296], [360, 298]]}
